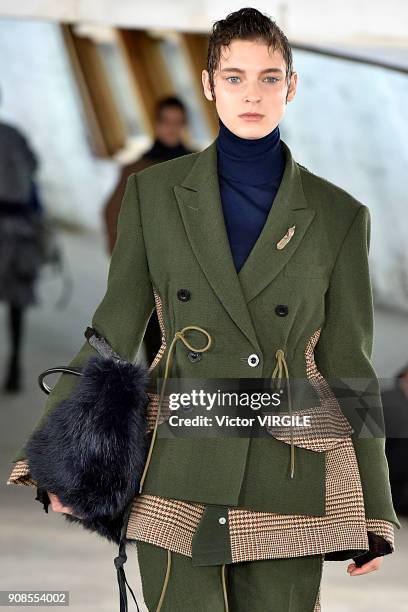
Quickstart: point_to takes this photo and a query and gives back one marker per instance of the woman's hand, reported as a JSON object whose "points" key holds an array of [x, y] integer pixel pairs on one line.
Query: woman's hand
{"points": [[56, 504], [370, 566]]}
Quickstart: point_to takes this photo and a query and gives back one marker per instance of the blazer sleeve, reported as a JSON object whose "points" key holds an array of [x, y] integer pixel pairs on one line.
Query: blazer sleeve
{"points": [[343, 353], [122, 315]]}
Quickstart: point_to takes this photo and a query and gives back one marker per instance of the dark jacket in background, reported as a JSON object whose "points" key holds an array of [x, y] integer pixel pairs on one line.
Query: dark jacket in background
{"points": [[157, 153], [20, 248], [17, 165]]}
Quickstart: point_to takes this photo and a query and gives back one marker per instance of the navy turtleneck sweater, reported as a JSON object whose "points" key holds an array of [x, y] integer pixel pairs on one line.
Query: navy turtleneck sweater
{"points": [[249, 174]]}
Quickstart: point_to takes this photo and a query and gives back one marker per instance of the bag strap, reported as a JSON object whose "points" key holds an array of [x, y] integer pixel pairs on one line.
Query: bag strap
{"points": [[100, 344], [120, 560], [97, 341]]}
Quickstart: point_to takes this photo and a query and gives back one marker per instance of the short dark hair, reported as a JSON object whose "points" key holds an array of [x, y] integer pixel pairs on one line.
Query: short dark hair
{"points": [[169, 101], [246, 24]]}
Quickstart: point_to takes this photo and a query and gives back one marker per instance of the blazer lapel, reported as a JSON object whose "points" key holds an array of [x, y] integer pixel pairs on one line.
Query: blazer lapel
{"points": [[199, 201], [289, 210]]}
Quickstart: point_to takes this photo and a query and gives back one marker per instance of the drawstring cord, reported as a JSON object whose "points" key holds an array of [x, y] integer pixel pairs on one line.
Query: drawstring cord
{"points": [[280, 366], [224, 587], [166, 579], [179, 335], [121, 558]]}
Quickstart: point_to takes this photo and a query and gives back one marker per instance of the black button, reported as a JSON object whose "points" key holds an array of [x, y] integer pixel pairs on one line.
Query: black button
{"points": [[188, 408], [183, 295], [281, 310], [193, 357]]}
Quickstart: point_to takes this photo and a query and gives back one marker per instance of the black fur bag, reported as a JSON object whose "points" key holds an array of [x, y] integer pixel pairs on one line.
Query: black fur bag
{"points": [[91, 449]]}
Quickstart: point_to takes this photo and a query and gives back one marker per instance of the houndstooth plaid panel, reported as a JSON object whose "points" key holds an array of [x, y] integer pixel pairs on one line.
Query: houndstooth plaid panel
{"points": [[20, 475], [255, 535], [381, 528], [159, 311], [342, 527], [173, 526], [328, 425], [264, 535]]}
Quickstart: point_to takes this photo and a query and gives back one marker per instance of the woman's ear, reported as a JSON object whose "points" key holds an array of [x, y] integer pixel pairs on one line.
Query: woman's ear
{"points": [[292, 87], [205, 79]]}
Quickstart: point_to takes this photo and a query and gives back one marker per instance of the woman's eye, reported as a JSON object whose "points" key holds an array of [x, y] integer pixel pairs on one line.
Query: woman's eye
{"points": [[268, 79]]}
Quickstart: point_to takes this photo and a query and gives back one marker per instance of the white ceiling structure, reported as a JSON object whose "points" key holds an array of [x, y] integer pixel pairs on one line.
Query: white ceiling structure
{"points": [[356, 22]]}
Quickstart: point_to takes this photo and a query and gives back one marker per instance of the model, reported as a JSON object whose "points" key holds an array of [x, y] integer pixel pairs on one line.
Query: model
{"points": [[257, 268]]}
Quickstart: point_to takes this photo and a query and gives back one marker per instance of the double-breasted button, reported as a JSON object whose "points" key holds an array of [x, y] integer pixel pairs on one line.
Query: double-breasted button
{"points": [[222, 520], [281, 310], [193, 356], [253, 360], [183, 295]]}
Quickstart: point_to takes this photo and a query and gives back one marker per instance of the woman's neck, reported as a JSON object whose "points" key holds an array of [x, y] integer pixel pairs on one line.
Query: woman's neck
{"points": [[253, 161]]}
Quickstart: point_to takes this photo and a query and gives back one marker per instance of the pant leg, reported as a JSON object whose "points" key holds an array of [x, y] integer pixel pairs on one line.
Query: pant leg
{"points": [[189, 588], [275, 585]]}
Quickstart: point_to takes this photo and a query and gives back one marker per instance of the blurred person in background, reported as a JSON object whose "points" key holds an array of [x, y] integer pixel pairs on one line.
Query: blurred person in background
{"points": [[170, 122], [20, 254], [395, 403]]}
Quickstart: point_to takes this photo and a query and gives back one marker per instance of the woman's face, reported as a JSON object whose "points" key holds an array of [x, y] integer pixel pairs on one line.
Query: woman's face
{"points": [[250, 79]]}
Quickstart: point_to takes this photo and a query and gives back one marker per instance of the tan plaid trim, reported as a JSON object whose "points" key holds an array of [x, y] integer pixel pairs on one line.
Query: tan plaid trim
{"points": [[154, 397], [382, 528], [152, 410], [164, 522], [20, 475], [159, 310], [342, 527], [265, 535], [328, 425]]}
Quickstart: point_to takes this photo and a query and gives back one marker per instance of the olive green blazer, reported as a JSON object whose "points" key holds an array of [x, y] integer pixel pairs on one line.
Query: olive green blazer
{"points": [[172, 236]]}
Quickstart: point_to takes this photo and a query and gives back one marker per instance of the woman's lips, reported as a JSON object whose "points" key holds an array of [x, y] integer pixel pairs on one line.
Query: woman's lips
{"points": [[251, 117]]}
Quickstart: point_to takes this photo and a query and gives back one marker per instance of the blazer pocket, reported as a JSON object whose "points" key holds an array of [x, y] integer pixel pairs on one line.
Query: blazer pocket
{"points": [[305, 270]]}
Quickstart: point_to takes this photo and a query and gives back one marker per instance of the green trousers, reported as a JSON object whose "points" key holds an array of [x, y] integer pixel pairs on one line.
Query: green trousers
{"points": [[172, 584]]}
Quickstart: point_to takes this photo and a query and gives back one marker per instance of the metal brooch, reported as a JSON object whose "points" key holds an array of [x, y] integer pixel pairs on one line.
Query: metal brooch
{"points": [[284, 241]]}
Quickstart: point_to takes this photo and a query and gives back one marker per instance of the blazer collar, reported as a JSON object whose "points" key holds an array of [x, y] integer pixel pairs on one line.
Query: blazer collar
{"points": [[199, 201]]}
